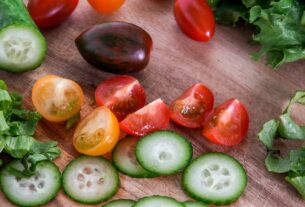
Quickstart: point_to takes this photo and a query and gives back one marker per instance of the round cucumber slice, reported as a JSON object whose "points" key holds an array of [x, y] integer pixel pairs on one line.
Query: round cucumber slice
{"points": [[90, 180], [160, 201], [36, 190], [124, 158], [22, 48], [120, 203], [195, 204], [164, 152], [215, 178]]}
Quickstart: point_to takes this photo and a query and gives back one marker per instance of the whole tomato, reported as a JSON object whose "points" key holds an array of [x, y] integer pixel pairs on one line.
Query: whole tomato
{"points": [[195, 18], [106, 6], [50, 13]]}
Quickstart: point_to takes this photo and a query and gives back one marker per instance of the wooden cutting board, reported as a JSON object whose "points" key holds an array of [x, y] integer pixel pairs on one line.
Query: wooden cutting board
{"points": [[177, 62]]}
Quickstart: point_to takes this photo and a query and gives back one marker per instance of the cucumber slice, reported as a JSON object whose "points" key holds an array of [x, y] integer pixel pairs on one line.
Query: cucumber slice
{"points": [[36, 190], [164, 152], [120, 203], [124, 158], [215, 178], [90, 180], [195, 204], [159, 201]]}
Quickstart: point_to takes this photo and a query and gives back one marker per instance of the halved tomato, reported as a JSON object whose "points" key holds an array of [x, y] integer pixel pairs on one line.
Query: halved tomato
{"points": [[227, 124], [152, 117], [97, 133], [122, 94], [57, 99], [193, 106]]}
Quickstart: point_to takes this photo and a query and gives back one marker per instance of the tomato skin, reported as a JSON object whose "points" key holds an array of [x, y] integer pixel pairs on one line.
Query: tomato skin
{"points": [[121, 94], [50, 13], [106, 6], [228, 124], [152, 117], [192, 107], [195, 18]]}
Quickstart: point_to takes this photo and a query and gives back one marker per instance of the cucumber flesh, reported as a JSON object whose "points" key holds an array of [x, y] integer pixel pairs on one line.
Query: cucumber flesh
{"points": [[120, 203], [164, 152], [124, 158], [36, 190], [215, 178], [90, 180], [22, 48], [160, 201], [195, 204]]}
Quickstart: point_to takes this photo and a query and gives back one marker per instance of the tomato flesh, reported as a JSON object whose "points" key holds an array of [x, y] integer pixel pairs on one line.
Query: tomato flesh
{"points": [[106, 6], [152, 117], [50, 13], [193, 106], [122, 94], [227, 124], [98, 133], [195, 18]]}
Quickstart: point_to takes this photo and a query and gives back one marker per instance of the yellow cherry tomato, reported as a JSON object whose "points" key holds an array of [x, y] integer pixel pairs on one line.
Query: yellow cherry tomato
{"points": [[57, 99], [98, 133], [106, 6]]}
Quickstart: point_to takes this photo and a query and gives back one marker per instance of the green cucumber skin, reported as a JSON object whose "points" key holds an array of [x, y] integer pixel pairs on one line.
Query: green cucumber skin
{"points": [[14, 13], [120, 201], [157, 197]]}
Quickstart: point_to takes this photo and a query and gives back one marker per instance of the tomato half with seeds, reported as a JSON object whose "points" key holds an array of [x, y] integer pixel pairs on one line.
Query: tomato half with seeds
{"points": [[193, 106], [57, 99], [106, 6], [98, 133], [122, 94], [195, 18], [227, 124], [152, 117], [50, 13]]}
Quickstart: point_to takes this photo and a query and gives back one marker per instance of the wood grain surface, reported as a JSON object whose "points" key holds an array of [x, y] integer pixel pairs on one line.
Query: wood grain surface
{"points": [[177, 62]]}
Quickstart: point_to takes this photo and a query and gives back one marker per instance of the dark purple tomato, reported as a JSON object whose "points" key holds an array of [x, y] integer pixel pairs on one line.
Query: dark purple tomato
{"points": [[116, 47]]}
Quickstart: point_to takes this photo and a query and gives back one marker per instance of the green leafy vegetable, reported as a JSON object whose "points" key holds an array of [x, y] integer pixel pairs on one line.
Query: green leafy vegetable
{"points": [[280, 25], [268, 133], [17, 128]]}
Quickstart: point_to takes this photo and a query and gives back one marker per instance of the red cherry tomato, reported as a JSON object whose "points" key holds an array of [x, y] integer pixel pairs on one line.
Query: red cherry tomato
{"points": [[122, 94], [195, 18], [50, 13], [106, 6], [227, 124], [192, 107], [152, 117]]}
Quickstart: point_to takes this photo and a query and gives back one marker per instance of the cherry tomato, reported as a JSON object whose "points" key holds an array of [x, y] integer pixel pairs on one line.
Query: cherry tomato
{"points": [[106, 6], [195, 18], [192, 107], [97, 133], [227, 124], [152, 117], [122, 94], [57, 99], [50, 13]]}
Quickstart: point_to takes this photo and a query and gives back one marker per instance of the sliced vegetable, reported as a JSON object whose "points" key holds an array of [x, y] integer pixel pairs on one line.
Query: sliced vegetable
{"points": [[193, 106], [164, 152], [194, 204], [22, 46], [195, 18], [90, 180], [106, 6], [51, 13], [120, 203], [97, 133], [122, 94], [124, 158], [153, 201], [35, 190], [57, 99], [125, 47], [227, 124], [152, 117], [215, 178]]}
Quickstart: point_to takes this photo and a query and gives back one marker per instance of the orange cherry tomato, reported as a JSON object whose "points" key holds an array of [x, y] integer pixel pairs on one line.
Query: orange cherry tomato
{"points": [[97, 133], [57, 99], [106, 6]]}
